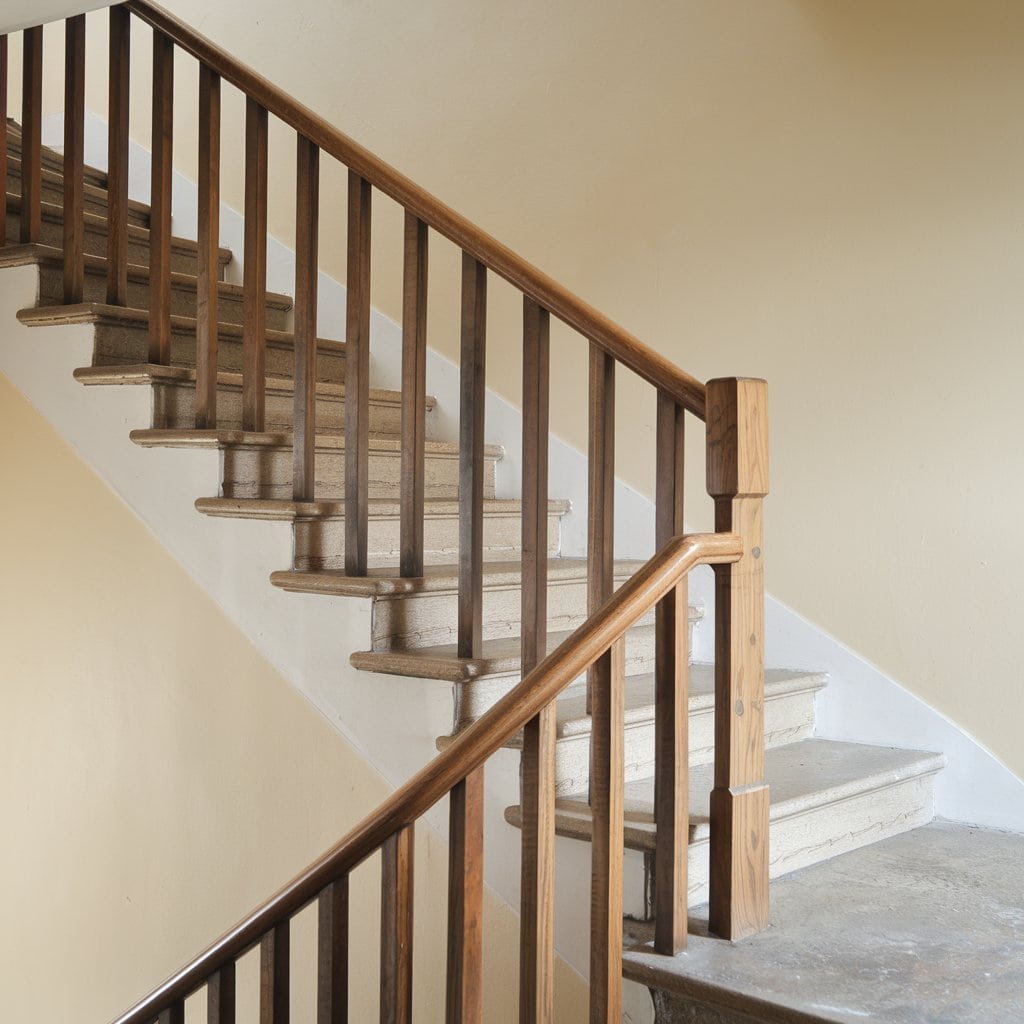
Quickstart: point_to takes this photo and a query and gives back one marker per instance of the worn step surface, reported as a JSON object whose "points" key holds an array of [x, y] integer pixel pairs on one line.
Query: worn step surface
{"points": [[423, 611], [319, 528], [122, 338], [827, 798], [259, 465], [174, 392], [922, 928]]}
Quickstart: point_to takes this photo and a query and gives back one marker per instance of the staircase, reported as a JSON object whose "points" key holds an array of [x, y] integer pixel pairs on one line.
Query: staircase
{"points": [[692, 782]]}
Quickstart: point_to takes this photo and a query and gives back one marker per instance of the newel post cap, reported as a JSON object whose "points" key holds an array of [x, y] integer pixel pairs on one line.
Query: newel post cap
{"points": [[737, 437]]}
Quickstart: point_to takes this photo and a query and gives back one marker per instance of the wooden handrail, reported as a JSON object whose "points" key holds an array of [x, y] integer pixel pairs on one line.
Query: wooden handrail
{"points": [[544, 290], [465, 755]]}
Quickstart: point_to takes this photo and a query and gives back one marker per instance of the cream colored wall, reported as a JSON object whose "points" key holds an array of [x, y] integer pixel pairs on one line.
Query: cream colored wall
{"points": [[157, 777]]}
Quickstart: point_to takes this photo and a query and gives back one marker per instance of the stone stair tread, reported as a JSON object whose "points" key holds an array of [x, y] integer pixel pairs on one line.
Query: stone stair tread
{"points": [[923, 926], [802, 776], [289, 511], [385, 581]]}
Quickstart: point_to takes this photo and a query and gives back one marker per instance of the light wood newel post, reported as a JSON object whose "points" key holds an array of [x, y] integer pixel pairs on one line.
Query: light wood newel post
{"points": [[396, 928], [671, 718], [274, 975], [472, 392], [117, 156], [414, 395], [31, 133], [307, 203], [254, 270], [607, 738], [357, 377], [465, 901], [737, 468], [207, 261], [160, 202], [220, 996], [3, 140], [332, 954], [74, 158], [536, 963]]}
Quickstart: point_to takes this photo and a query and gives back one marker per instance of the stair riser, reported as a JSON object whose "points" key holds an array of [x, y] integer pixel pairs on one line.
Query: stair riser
{"points": [[267, 473], [183, 297], [95, 199], [121, 344], [789, 718], [320, 543], [425, 620], [174, 408]]}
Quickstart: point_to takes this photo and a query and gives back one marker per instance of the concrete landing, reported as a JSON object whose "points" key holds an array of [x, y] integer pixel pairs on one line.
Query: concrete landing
{"points": [[923, 928]]}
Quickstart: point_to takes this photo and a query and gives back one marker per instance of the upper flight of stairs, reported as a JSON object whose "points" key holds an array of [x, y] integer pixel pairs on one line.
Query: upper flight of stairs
{"points": [[827, 798]]}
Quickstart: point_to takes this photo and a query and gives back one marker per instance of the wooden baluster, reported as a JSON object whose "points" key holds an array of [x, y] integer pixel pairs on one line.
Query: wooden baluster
{"points": [[117, 156], [174, 1014], [254, 270], [274, 975], [332, 954], [220, 996], [472, 392], [208, 257], [414, 395], [396, 928], [357, 377], [537, 798], [601, 493], [737, 470], [671, 685], [465, 901], [74, 159], [607, 739], [3, 140], [31, 133], [160, 202], [307, 212]]}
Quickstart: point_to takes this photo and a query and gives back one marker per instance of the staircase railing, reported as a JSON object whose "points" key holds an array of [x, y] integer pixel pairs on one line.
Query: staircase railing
{"points": [[736, 417]]}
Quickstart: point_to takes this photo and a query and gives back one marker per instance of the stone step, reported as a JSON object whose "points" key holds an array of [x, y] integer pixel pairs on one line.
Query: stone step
{"points": [[259, 465], [319, 528], [423, 611], [789, 718], [52, 159], [922, 927], [827, 798], [122, 338], [174, 392], [184, 251]]}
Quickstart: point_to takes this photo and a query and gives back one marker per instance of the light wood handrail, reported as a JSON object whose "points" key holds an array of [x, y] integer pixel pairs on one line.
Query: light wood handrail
{"points": [[467, 753], [544, 290]]}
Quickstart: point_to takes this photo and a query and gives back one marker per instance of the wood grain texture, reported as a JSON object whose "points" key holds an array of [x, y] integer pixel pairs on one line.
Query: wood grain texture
{"points": [[275, 977], [117, 155], [220, 996], [254, 270], [307, 216], [464, 1003], [396, 916], [671, 686], [737, 471], [160, 202], [332, 953], [472, 398], [31, 133], [74, 159], [357, 377], [414, 396], [546, 292], [607, 755], [3, 138], [208, 255]]}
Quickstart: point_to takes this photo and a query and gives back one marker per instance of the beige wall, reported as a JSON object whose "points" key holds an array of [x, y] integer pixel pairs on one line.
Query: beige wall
{"points": [[157, 777]]}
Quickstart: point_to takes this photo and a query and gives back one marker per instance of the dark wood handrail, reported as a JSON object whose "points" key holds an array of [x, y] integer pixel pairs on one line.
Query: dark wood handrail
{"points": [[544, 290], [466, 754]]}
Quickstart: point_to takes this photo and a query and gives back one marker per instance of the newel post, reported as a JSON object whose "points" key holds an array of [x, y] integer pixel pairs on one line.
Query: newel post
{"points": [[737, 468]]}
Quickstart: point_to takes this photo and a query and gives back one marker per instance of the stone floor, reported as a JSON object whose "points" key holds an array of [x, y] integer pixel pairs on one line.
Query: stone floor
{"points": [[923, 928]]}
